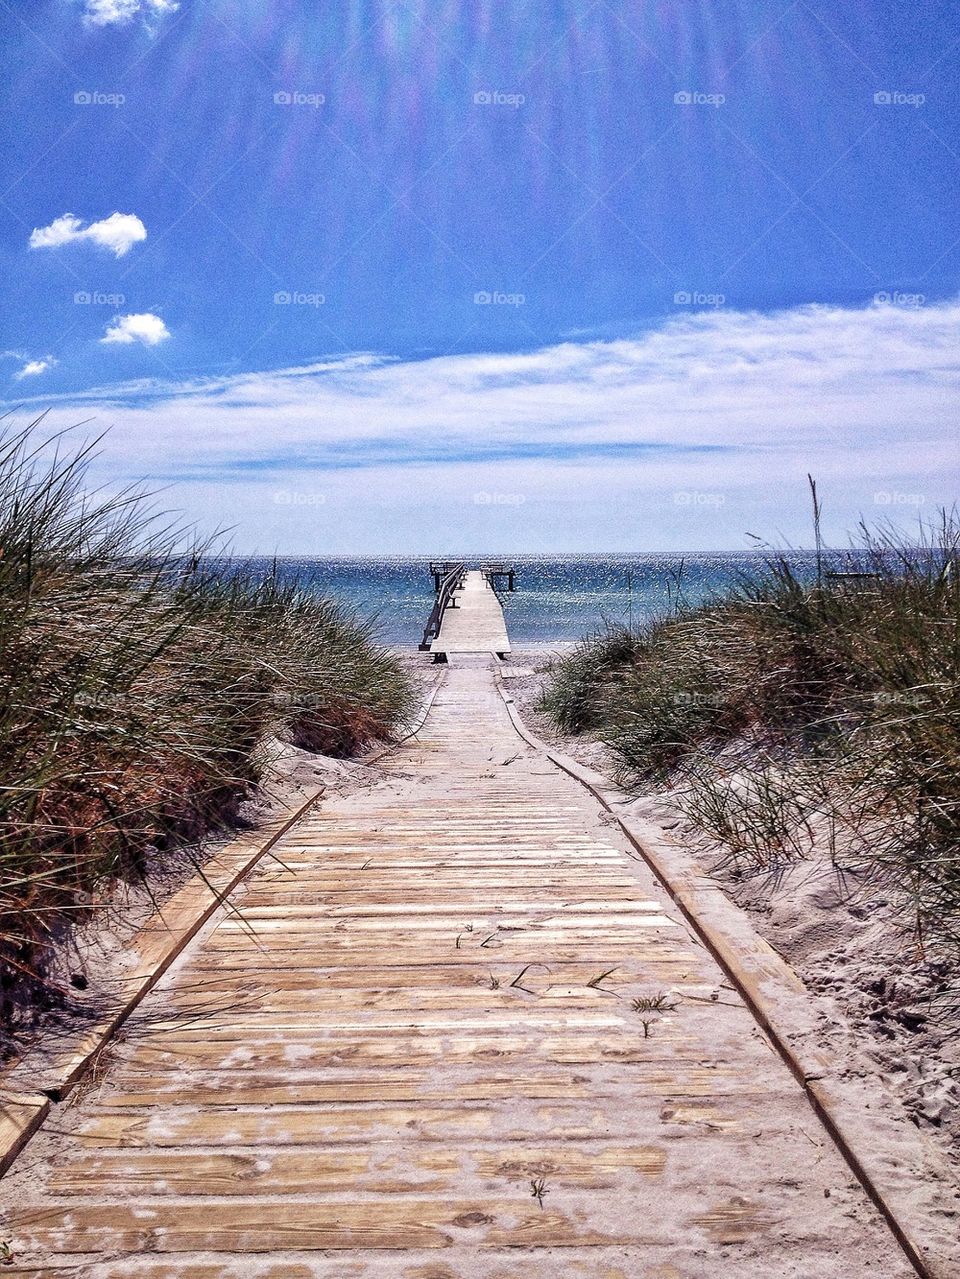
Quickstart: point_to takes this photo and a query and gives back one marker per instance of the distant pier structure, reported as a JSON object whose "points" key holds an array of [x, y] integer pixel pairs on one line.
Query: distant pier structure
{"points": [[467, 616], [493, 572]]}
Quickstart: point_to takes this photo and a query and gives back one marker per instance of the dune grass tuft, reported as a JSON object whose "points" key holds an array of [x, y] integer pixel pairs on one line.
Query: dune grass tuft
{"points": [[791, 710], [137, 685]]}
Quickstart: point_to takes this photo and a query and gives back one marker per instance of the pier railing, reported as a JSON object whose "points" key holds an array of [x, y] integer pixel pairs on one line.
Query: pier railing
{"points": [[493, 572], [447, 578]]}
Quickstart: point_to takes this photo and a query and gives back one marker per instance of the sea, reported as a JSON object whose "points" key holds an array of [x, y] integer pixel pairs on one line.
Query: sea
{"points": [[557, 599]]}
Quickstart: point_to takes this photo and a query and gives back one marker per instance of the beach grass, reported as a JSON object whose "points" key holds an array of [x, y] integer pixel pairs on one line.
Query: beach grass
{"points": [[139, 683], [788, 711]]}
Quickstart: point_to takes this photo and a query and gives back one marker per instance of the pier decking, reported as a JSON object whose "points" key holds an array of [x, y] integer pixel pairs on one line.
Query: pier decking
{"points": [[473, 622]]}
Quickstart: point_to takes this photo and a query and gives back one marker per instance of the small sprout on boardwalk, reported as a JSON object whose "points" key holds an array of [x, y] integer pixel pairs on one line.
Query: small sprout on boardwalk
{"points": [[594, 982], [647, 1023], [538, 1188], [653, 1003], [487, 940], [6, 1252], [494, 982]]}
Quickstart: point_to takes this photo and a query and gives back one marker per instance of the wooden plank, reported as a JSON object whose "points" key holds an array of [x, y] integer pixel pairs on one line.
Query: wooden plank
{"points": [[415, 1223], [175, 1127], [21, 1114], [239, 1052], [593, 1263], [296, 972], [167, 1173]]}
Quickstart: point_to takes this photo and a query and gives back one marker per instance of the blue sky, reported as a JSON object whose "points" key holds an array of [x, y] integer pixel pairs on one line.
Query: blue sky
{"points": [[431, 278]]}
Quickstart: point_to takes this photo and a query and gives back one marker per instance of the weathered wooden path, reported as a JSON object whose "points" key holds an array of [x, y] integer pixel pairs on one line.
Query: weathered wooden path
{"points": [[456, 1034]]}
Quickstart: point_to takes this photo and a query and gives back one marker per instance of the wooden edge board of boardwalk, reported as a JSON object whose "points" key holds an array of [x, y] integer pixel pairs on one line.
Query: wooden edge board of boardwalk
{"points": [[456, 1030]]}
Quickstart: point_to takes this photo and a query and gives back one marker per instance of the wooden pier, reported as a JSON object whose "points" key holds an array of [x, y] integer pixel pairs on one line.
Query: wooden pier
{"points": [[467, 615]]}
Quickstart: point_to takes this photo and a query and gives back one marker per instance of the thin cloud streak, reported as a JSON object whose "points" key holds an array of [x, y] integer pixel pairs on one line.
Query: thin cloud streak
{"points": [[711, 403]]}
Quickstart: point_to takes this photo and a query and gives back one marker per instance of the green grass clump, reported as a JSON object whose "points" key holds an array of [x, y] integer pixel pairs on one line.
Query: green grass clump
{"points": [[792, 710], [137, 686]]}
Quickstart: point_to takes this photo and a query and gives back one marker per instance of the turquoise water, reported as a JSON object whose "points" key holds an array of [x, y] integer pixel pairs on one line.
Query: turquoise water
{"points": [[557, 599]]}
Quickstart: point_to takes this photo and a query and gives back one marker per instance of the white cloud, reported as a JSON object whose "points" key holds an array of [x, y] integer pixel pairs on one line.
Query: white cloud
{"points": [[599, 436], [29, 367], [106, 13], [33, 367], [146, 328], [118, 233]]}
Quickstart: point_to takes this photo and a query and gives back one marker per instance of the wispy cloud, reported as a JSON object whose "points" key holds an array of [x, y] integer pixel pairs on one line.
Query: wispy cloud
{"points": [[118, 233], [33, 367], [690, 433], [145, 328], [106, 13], [29, 366]]}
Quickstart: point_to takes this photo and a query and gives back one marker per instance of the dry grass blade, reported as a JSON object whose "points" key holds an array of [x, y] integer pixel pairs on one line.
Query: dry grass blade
{"points": [[653, 1003], [595, 982], [518, 980]]}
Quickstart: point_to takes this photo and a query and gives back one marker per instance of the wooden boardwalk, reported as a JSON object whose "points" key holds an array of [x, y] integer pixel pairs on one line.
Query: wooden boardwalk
{"points": [[475, 622], [427, 1046]]}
